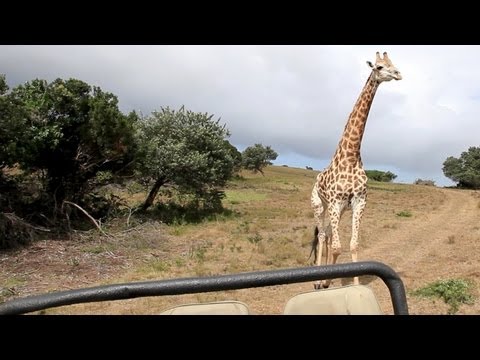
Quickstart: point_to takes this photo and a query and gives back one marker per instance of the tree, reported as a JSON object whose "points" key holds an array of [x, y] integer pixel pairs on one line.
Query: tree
{"points": [[257, 157], [382, 176], [12, 127], [185, 149], [3, 84], [236, 155], [465, 171], [72, 131]]}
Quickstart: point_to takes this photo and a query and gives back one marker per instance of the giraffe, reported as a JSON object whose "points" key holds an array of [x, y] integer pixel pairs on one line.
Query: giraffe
{"points": [[343, 184]]}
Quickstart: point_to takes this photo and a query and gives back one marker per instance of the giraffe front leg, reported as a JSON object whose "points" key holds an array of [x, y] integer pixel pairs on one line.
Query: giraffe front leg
{"points": [[358, 204]]}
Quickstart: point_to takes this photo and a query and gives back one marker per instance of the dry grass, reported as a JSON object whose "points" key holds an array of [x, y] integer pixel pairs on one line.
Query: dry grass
{"points": [[271, 227]]}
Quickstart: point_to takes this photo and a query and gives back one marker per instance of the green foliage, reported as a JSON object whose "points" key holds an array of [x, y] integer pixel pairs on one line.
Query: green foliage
{"points": [[236, 156], [382, 176], [424, 182], [174, 211], [70, 131], [185, 149], [454, 292], [255, 238], [13, 126], [3, 84], [102, 205], [465, 171], [257, 157], [404, 213]]}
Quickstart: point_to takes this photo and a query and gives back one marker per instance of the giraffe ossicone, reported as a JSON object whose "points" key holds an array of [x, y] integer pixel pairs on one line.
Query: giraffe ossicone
{"points": [[343, 184]]}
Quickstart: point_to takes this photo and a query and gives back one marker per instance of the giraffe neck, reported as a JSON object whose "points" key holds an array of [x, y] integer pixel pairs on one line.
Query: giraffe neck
{"points": [[349, 146]]}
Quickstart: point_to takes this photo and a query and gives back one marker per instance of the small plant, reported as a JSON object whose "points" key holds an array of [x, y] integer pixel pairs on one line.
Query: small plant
{"points": [[159, 266], [74, 261], [104, 177], [255, 239], [179, 262], [451, 239], [453, 292], [6, 293], [198, 252], [404, 213], [134, 187], [234, 248], [178, 229], [243, 227], [94, 249]]}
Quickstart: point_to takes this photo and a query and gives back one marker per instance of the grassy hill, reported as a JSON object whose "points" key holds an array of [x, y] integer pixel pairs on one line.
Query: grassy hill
{"points": [[269, 225]]}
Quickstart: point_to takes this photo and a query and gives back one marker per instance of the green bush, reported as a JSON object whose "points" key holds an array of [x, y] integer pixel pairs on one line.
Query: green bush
{"points": [[382, 176], [454, 292]]}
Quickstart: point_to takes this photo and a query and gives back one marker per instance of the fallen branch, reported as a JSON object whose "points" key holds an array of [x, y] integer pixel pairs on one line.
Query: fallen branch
{"points": [[131, 211], [14, 218], [97, 224]]}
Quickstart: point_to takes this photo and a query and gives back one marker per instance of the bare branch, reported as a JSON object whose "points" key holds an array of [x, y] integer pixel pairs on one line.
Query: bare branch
{"points": [[97, 224]]}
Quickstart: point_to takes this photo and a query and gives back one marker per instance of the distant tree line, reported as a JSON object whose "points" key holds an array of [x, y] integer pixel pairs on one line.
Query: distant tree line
{"points": [[62, 143], [382, 176], [464, 171]]}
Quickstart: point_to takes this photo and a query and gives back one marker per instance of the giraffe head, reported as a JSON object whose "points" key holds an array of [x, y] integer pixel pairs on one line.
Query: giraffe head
{"points": [[384, 70]]}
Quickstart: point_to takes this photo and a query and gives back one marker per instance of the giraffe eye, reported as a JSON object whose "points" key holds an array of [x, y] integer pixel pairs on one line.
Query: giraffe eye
{"points": [[379, 67]]}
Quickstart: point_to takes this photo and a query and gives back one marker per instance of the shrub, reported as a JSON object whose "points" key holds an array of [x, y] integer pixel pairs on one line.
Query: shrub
{"points": [[454, 292], [424, 182]]}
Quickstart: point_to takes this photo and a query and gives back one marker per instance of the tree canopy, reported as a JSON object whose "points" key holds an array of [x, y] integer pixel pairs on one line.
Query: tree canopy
{"points": [[185, 149], [12, 127], [378, 175], [66, 129], [257, 157], [465, 171]]}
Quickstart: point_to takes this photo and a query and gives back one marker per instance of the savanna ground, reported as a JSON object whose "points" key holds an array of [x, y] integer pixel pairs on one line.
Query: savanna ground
{"points": [[424, 233]]}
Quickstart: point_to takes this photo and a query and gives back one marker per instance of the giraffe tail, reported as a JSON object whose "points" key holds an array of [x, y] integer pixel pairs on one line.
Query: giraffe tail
{"points": [[314, 250]]}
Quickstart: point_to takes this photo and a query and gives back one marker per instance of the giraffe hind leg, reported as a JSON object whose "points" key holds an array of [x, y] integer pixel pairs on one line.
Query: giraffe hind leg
{"points": [[328, 254], [318, 241]]}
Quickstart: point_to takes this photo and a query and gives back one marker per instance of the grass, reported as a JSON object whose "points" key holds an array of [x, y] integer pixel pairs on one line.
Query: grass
{"points": [[454, 292], [383, 186], [268, 224], [404, 213], [235, 197], [151, 268]]}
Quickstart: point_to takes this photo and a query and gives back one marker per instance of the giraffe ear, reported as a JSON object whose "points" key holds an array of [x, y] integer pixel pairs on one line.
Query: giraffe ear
{"points": [[369, 63]]}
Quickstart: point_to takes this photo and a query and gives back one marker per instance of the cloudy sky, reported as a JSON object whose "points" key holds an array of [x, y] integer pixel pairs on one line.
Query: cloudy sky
{"points": [[294, 98]]}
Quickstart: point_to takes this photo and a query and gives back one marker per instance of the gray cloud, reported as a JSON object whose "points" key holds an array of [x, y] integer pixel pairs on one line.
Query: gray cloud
{"points": [[294, 98]]}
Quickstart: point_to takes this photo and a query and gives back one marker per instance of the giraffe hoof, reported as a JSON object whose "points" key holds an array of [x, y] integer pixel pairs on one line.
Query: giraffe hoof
{"points": [[325, 286], [316, 286]]}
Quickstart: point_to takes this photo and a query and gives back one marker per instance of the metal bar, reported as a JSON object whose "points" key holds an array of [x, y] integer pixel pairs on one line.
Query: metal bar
{"points": [[213, 283]]}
